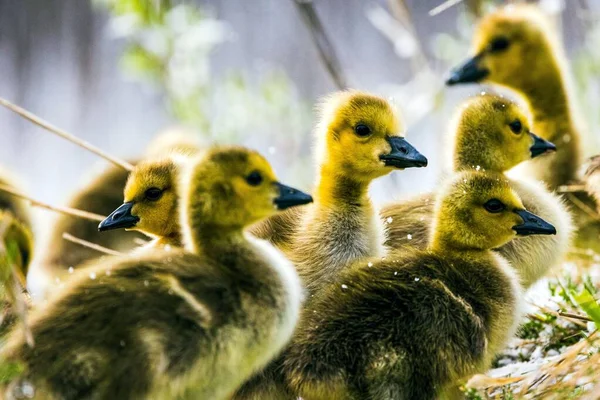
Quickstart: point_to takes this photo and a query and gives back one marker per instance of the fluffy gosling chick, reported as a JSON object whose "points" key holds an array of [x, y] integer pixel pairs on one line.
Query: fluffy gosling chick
{"points": [[359, 139], [507, 43], [156, 325], [492, 134], [410, 325], [151, 201]]}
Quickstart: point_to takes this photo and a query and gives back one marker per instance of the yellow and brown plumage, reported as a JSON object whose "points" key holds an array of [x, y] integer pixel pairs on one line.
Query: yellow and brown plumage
{"points": [[492, 134], [517, 47], [159, 324], [411, 325], [358, 140]]}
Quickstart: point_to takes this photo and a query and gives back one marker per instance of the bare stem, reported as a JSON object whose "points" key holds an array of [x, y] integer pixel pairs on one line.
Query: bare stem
{"points": [[65, 135], [93, 246], [63, 210], [443, 7], [571, 188], [311, 19]]}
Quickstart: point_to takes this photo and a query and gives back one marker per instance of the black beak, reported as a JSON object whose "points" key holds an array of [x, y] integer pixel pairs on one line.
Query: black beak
{"points": [[403, 154], [469, 72], [533, 225], [540, 146], [290, 197], [120, 218]]}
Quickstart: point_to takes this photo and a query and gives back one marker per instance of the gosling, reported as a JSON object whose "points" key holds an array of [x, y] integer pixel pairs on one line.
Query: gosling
{"points": [[412, 325], [159, 324]]}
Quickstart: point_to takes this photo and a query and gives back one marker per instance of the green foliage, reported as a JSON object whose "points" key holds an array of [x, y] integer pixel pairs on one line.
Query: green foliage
{"points": [[9, 371], [588, 303]]}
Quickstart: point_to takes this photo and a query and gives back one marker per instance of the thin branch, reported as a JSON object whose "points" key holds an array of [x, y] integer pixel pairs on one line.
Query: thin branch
{"points": [[443, 7], [402, 13], [574, 316], [583, 207], [311, 19], [65, 135], [571, 188], [63, 210], [93, 246]]}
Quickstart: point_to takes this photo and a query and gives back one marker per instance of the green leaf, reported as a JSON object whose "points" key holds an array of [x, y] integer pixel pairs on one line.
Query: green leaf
{"points": [[588, 303], [9, 371]]}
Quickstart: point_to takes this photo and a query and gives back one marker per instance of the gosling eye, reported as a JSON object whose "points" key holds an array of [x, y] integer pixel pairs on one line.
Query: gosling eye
{"points": [[362, 130], [499, 44], [516, 126], [494, 206], [153, 194], [254, 179]]}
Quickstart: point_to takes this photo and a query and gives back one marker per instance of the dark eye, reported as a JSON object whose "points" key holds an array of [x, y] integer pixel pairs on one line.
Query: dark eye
{"points": [[499, 44], [254, 179], [494, 206], [362, 130], [153, 194], [516, 126]]}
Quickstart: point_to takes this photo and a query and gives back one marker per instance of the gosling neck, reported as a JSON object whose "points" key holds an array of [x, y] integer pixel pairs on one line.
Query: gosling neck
{"points": [[339, 190], [553, 119], [467, 157], [214, 240], [548, 98], [443, 242]]}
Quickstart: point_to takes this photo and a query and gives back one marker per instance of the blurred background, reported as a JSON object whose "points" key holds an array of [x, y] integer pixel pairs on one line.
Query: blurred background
{"points": [[116, 72]]}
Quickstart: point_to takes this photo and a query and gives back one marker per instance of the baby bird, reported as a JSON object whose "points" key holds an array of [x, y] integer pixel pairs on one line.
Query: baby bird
{"points": [[492, 134], [102, 196], [410, 325], [359, 139], [507, 43], [155, 325], [151, 201]]}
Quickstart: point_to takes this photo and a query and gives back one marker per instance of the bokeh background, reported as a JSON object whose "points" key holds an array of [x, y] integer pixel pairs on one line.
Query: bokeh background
{"points": [[116, 72]]}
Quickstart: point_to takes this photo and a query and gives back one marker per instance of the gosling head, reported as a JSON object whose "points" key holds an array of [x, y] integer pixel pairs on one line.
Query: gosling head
{"points": [[150, 199], [360, 136], [493, 133], [480, 211], [511, 46], [232, 187]]}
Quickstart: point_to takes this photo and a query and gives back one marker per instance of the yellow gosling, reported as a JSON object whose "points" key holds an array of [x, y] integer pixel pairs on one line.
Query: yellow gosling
{"points": [[162, 323], [412, 325], [493, 134]]}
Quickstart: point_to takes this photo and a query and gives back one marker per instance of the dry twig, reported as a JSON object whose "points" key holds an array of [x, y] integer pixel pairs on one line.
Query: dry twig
{"points": [[93, 246], [326, 52], [63, 210], [65, 135]]}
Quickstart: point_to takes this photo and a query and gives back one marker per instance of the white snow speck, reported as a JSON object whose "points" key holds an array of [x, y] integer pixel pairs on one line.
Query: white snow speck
{"points": [[409, 236], [92, 275], [370, 264], [395, 272], [70, 270], [344, 286], [417, 279], [389, 220], [477, 168]]}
